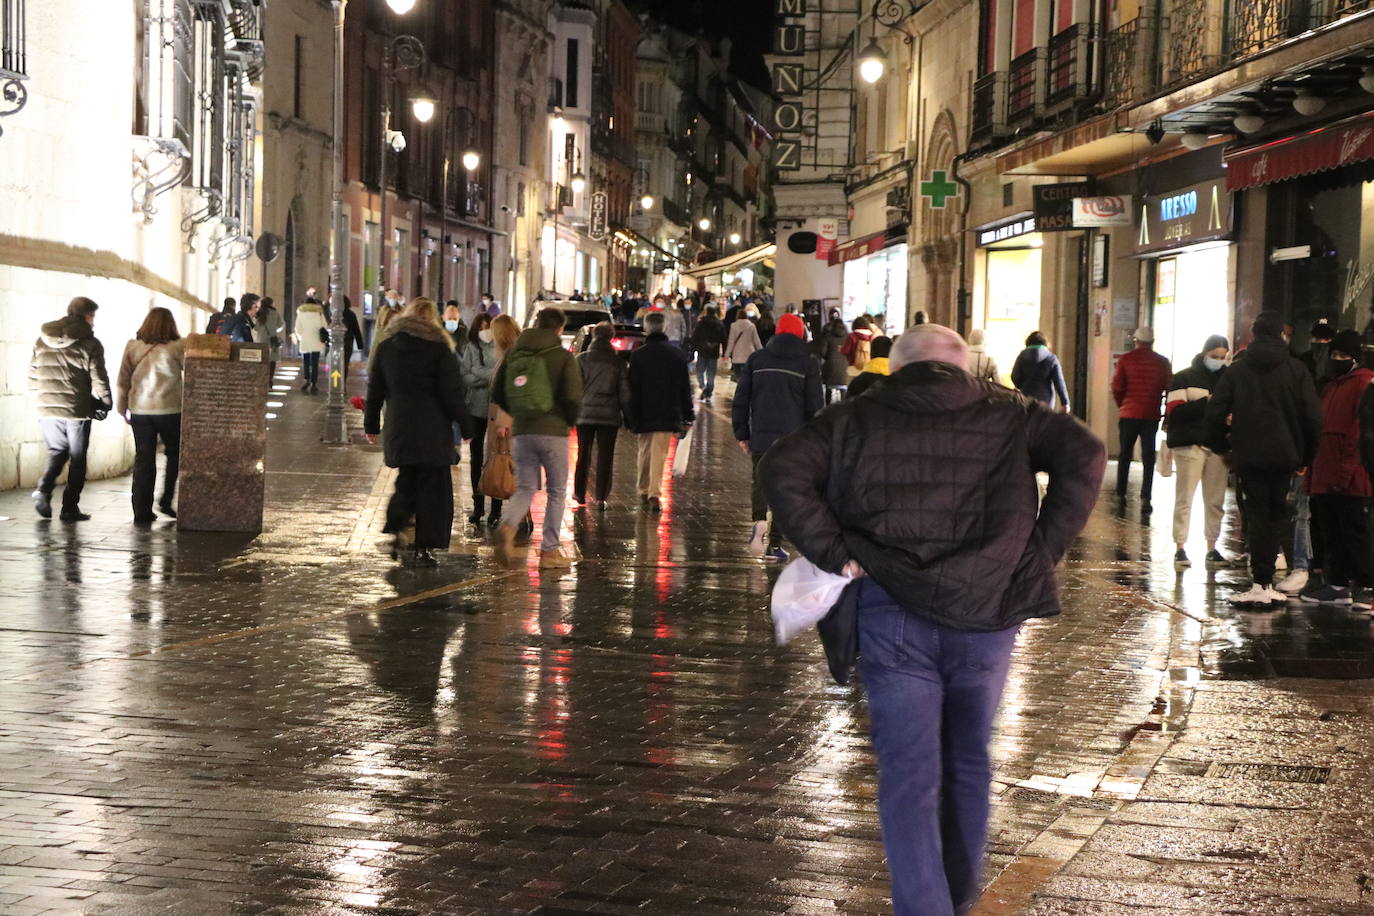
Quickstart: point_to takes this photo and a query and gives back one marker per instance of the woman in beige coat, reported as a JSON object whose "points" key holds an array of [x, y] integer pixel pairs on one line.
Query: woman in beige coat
{"points": [[504, 330], [148, 397]]}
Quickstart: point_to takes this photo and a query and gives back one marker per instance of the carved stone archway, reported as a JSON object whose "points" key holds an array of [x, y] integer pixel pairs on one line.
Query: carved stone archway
{"points": [[939, 238]]}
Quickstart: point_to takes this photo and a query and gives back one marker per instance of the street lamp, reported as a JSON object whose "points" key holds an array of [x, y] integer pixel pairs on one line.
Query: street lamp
{"points": [[471, 159], [578, 182], [646, 202], [872, 61], [422, 106], [704, 224], [734, 238], [401, 7]]}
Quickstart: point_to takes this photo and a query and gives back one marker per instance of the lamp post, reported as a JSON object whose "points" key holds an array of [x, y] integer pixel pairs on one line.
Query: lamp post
{"points": [[471, 159], [335, 429]]}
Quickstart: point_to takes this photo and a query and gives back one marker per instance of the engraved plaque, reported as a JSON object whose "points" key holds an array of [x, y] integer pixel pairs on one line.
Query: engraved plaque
{"points": [[223, 443]]}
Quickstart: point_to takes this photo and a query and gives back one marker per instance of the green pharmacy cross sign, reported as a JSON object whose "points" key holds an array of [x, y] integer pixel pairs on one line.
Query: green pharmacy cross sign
{"points": [[939, 189]]}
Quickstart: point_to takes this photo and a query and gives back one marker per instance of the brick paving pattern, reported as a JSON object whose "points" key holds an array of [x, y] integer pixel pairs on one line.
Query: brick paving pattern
{"points": [[292, 724]]}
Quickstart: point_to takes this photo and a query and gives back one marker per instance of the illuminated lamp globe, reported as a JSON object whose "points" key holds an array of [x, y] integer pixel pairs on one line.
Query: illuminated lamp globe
{"points": [[579, 183], [1367, 79], [471, 159], [703, 224], [646, 202], [422, 106], [872, 62], [1194, 139], [1305, 103], [401, 7], [734, 238], [1248, 123]]}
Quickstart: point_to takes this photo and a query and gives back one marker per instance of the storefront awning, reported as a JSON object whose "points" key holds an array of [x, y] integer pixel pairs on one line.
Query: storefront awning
{"points": [[866, 245], [1333, 147], [733, 262]]}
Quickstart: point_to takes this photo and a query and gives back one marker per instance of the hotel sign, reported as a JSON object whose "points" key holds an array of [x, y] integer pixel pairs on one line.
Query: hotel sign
{"points": [[596, 215], [789, 80]]}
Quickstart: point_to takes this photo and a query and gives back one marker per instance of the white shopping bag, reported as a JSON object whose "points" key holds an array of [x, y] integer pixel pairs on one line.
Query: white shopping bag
{"points": [[803, 594], [684, 451], [1165, 464]]}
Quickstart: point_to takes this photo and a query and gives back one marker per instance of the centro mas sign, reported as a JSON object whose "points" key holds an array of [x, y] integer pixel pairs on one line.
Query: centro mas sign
{"points": [[789, 40]]}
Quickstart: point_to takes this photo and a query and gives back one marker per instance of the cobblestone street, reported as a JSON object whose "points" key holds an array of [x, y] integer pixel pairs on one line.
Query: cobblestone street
{"points": [[290, 723]]}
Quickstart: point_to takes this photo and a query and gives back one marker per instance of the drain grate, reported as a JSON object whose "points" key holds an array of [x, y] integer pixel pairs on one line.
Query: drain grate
{"points": [[1269, 772]]}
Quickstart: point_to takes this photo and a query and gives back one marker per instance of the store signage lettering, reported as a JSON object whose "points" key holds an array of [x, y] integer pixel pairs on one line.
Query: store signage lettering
{"points": [[596, 223], [1090, 212], [1053, 204], [1200, 213], [827, 232], [1007, 231], [1302, 154], [789, 114]]}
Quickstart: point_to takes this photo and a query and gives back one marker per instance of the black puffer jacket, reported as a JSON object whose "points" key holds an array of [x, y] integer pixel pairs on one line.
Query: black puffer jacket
{"points": [[778, 390], [67, 372], [1186, 404], [708, 339], [928, 481], [660, 387], [417, 376], [1271, 400], [605, 386]]}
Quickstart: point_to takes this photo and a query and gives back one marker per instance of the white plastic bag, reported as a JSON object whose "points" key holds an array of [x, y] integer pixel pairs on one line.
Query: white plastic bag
{"points": [[1165, 461], [684, 451], [803, 594]]}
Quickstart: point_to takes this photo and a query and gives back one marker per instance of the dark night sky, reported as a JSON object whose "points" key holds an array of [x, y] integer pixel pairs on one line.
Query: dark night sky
{"points": [[746, 22]]}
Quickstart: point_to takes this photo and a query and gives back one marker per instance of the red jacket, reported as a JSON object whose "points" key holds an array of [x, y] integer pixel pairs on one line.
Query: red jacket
{"points": [[1337, 468], [1141, 381]]}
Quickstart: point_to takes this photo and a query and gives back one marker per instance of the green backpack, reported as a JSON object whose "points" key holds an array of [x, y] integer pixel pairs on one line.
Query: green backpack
{"points": [[529, 393]]}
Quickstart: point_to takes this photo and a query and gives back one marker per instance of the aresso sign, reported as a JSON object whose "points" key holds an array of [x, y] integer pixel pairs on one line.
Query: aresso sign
{"points": [[1200, 213]]}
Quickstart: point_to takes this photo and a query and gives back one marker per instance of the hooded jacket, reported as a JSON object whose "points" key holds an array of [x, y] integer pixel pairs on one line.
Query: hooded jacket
{"points": [[416, 376], [708, 339], [67, 372], [605, 386], [1271, 400], [1337, 468], [309, 322], [875, 370], [660, 387], [778, 390], [1140, 383], [928, 482], [1185, 406], [150, 378], [564, 377], [744, 341], [1037, 374], [834, 363]]}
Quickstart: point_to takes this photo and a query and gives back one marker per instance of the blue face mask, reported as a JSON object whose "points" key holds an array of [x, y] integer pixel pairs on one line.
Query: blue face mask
{"points": [[1213, 364], [450, 324]]}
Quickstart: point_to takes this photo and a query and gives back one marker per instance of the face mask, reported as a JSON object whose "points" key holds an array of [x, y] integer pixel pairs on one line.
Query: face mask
{"points": [[1212, 363], [391, 302], [1338, 366], [450, 324], [484, 335]]}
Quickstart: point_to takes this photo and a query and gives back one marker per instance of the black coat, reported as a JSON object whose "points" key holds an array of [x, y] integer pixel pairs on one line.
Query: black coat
{"points": [[660, 387], [1271, 400], [778, 390], [834, 364], [1367, 430], [928, 481], [1187, 423], [708, 339], [605, 386], [417, 376]]}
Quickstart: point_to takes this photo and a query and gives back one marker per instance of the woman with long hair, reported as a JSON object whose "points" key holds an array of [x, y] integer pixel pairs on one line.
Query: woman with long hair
{"points": [[148, 397], [478, 360], [415, 375], [504, 331]]}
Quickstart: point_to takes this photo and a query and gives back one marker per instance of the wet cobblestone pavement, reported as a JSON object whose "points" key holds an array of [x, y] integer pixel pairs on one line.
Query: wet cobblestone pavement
{"points": [[290, 723]]}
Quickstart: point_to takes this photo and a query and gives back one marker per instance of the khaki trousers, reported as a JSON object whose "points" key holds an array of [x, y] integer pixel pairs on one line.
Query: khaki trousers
{"points": [[653, 452], [1194, 464]]}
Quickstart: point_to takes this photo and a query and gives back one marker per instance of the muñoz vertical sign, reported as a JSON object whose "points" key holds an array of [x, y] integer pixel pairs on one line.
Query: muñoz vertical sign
{"points": [[788, 77]]}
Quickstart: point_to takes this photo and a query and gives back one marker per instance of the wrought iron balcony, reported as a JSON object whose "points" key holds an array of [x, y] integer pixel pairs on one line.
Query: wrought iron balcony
{"points": [[1024, 100], [989, 107], [674, 212], [13, 58], [1193, 45], [1257, 24], [1132, 62], [1068, 66]]}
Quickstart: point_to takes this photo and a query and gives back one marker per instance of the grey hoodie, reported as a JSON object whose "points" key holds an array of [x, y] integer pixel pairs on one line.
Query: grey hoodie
{"points": [[67, 371]]}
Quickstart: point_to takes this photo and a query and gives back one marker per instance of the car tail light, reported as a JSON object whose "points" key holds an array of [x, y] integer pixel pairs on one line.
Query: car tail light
{"points": [[620, 343]]}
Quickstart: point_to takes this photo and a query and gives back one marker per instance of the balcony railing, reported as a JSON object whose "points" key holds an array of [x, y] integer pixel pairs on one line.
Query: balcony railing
{"points": [[674, 212], [1068, 66], [1132, 64], [990, 107], [13, 52], [1024, 101], [1257, 24]]}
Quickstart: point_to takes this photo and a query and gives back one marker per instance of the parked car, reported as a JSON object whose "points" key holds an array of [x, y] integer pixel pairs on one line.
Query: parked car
{"points": [[627, 338], [579, 319]]}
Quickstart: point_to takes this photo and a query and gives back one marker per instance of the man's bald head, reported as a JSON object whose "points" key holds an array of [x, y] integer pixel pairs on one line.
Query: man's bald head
{"points": [[929, 342]]}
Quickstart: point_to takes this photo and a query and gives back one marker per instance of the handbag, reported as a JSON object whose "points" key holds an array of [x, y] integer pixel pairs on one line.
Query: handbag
{"points": [[498, 472]]}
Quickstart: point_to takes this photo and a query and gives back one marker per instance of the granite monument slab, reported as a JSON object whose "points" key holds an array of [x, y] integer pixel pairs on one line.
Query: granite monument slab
{"points": [[223, 441]]}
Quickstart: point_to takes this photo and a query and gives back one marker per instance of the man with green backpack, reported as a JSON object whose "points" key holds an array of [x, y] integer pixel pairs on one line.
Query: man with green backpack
{"points": [[540, 385]]}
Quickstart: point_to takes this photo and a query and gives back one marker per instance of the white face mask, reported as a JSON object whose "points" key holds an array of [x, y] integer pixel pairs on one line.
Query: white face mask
{"points": [[484, 335], [450, 324]]}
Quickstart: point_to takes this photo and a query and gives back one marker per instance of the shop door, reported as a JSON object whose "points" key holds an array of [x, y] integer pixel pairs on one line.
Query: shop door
{"points": [[1191, 303], [1013, 298]]}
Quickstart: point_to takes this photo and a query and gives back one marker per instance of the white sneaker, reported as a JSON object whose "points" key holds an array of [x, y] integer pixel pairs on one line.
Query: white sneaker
{"points": [[758, 542], [1276, 597], [1294, 582], [1256, 597]]}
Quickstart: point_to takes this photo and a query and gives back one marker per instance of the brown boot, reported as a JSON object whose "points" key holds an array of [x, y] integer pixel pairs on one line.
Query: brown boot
{"points": [[505, 545]]}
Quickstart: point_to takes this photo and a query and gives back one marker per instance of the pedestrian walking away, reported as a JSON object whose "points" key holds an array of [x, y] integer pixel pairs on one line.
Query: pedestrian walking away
{"points": [[981, 365], [540, 386], [953, 549], [1339, 484], [743, 340], [778, 391], [353, 334], [708, 342], [504, 333], [148, 397], [241, 327], [311, 331], [830, 349], [1037, 373], [268, 330], [416, 378], [660, 405], [605, 404], [858, 346], [875, 370], [219, 321], [1194, 463], [67, 377], [1138, 387], [1265, 415], [478, 359]]}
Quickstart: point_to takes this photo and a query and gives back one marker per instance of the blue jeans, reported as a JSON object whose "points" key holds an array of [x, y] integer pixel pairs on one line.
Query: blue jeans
{"points": [[706, 375], [1302, 525], [533, 455], [933, 693]]}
